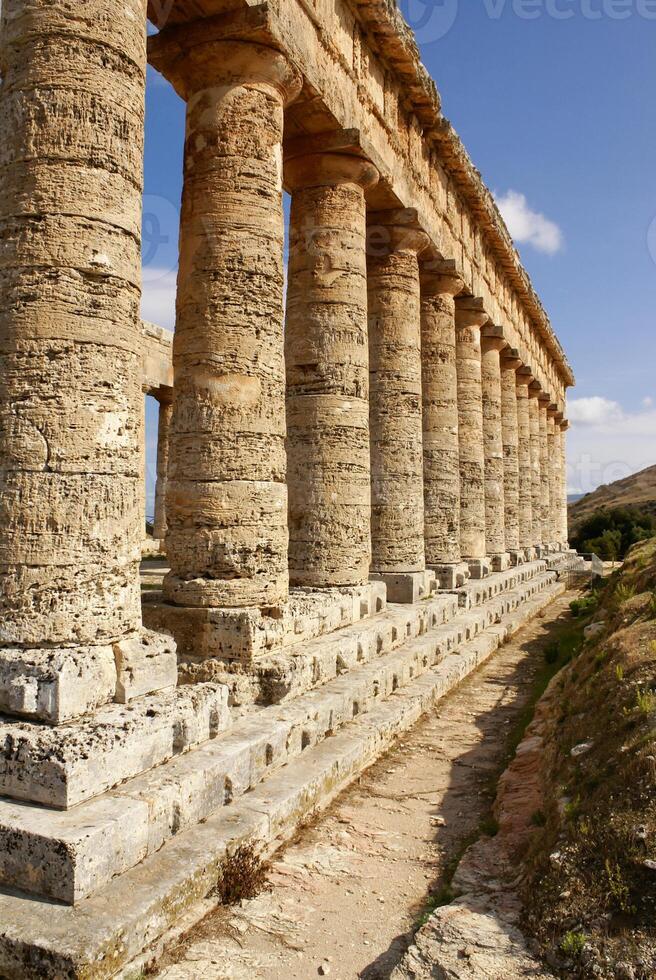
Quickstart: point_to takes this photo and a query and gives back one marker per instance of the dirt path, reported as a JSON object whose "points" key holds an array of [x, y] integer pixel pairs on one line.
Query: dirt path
{"points": [[348, 893]]}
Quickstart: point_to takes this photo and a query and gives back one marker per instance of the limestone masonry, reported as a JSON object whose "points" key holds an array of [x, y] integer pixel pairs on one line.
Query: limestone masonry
{"points": [[360, 484]]}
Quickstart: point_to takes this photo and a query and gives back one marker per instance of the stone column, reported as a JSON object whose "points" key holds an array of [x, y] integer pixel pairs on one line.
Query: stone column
{"points": [[439, 382], [492, 343], [525, 513], [564, 515], [327, 359], [544, 400], [553, 455], [163, 430], [510, 362], [536, 459], [395, 411], [71, 510], [470, 317], [226, 500]]}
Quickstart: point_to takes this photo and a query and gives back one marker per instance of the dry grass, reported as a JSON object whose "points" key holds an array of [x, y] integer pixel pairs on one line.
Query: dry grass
{"points": [[244, 876]]}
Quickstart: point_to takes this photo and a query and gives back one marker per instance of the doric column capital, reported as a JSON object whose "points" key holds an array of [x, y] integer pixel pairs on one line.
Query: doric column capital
{"points": [[329, 170], [535, 389], [510, 359], [552, 410], [192, 64], [564, 425], [525, 376], [440, 277], [470, 313], [544, 398], [395, 230], [492, 337]]}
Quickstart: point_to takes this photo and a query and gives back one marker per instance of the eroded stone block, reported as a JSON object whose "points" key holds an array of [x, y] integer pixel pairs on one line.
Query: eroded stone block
{"points": [[56, 685], [63, 766], [144, 664]]}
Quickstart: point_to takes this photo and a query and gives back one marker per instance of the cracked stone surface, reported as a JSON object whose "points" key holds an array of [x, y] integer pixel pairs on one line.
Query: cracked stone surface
{"points": [[440, 417], [469, 320], [226, 496], [395, 399], [326, 350]]}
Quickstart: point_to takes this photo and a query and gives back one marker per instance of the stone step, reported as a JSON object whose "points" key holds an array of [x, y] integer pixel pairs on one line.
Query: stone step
{"points": [[69, 855], [281, 677], [75, 762], [66, 765], [477, 591], [105, 932]]}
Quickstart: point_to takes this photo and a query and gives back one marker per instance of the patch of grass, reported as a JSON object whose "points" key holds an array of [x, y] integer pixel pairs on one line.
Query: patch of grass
{"points": [[623, 592], [244, 875], [619, 673], [619, 893], [645, 701], [489, 826], [652, 606], [584, 605], [572, 944], [443, 896]]}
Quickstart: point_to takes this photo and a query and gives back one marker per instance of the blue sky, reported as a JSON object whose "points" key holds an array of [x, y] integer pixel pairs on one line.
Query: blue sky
{"points": [[559, 114]]}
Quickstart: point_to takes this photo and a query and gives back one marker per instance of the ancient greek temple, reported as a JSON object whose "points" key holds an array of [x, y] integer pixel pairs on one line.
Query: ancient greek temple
{"points": [[361, 453]]}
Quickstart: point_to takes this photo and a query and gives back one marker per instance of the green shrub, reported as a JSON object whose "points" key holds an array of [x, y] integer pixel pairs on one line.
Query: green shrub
{"points": [[572, 944], [610, 533]]}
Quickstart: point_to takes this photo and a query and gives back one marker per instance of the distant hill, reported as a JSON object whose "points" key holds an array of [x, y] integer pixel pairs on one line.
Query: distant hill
{"points": [[638, 490]]}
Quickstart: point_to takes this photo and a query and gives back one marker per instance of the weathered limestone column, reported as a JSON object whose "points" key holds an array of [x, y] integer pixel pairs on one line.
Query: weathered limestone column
{"points": [[510, 362], [544, 400], [492, 343], [439, 383], [226, 498], [470, 317], [71, 491], [163, 434], [394, 241], [553, 455], [564, 514], [524, 379], [327, 360], [536, 461]]}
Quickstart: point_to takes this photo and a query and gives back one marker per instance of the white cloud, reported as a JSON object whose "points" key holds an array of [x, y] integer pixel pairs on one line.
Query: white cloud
{"points": [[527, 226], [607, 443], [647, 402], [158, 296], [593, 411]]}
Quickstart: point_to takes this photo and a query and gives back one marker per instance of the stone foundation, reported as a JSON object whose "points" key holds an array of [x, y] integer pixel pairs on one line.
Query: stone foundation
{"points": [[254, 782]]}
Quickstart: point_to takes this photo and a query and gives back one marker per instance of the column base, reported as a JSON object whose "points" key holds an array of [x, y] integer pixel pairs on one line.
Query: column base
{"points": [[451, 576], [243, 635], [517, 557], [479, 567], [540, 551], [530, 554], [59, 685], [407, 587], [501, 562]]}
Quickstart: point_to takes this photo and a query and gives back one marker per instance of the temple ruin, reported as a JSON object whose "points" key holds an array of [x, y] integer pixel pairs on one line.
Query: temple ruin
{"points": [[361, 485]]}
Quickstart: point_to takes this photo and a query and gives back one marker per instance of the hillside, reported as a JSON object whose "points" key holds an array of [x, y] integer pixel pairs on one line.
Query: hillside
{"points": [[590, 863], [637, 490]]}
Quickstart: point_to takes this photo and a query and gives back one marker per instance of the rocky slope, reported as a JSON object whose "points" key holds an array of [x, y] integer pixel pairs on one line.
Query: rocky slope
{"points": [[589, 884]]}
